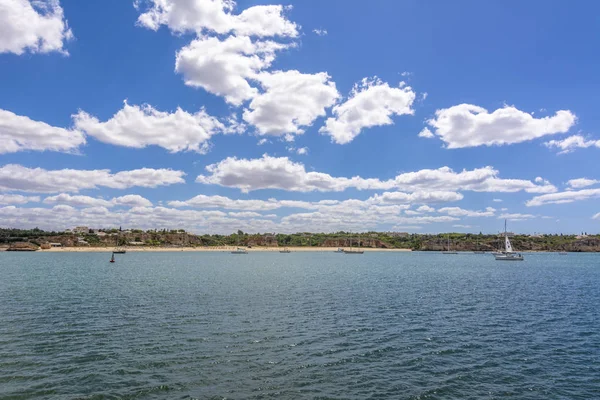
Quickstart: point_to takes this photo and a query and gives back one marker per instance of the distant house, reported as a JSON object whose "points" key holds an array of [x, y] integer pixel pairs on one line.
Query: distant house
{"points": [[81, 229], [101, 234], [82, 242], [137, 243]]}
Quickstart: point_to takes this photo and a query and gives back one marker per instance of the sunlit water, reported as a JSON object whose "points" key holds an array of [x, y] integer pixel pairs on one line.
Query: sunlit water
{"points": [[299, 325]]}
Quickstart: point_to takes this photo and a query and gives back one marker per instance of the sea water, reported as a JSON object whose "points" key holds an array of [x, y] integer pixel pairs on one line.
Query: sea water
{"points": [[316, 325]]}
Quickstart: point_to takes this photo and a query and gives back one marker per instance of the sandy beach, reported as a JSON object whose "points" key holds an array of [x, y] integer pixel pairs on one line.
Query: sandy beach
{"points": [[204, 249]]}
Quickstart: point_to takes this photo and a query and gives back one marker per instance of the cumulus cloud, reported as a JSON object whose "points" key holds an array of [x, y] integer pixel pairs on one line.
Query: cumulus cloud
{"points": [[34, 26], [572, 143], [77, 201], [426, 133], [320, 32], [516, 216], [418, 197], [223, 67], [371, 103], [291, 100], [425, 208], [279, 173], [459, 212], [215, 16], [19, 133], [582, 182], [14, 177], [484, 179], [467, 125], [204, 201], [64, 216], [141, 126], [132, 200], [17, 199], [563, 197], [282, 173]]}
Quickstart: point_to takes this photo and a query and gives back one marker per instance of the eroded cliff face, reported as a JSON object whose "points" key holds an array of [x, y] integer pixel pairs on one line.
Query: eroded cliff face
{"points": [[520, 243]]}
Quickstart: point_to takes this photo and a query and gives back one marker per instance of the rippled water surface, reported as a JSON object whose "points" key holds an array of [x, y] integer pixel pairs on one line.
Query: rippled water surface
{"points": [[299, 325]]}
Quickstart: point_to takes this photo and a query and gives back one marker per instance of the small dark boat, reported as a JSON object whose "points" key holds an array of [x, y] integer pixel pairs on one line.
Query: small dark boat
{"points": [[353, 251]]}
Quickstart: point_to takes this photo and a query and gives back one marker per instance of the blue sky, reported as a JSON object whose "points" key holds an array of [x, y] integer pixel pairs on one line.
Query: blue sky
{"points": [[215, 116]]}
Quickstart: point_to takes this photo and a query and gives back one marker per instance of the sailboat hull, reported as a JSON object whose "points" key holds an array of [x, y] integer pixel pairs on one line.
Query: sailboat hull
{"points": [[509, 258], [353, 252]]}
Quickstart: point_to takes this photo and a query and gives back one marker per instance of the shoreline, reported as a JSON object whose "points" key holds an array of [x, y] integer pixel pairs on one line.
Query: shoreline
{"points": [[205, 249]]}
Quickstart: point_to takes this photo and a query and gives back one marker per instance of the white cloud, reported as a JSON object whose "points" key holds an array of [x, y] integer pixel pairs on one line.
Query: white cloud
{"points": [[14, 177], [516, 216], [215, 16], [597, 216], [563, 197], [320, 32], [141, 126], [582, 182], [459, 212], [571, 143], [291, 100], [18, 199], [204, 201], [245, 214], [36, 26], [425, 208], [282, 173], [262, 141], [371, 103], [462, 226], [426, 133], [302, 151], [278, 173], [497, 200], [19, 133], [468, 125], [223, 67], [478, 180], [418, 197], [77, 201], [132, 200]]}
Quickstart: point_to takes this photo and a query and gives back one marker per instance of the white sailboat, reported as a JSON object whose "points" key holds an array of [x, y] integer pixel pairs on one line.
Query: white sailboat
{"points": [[509, 254], [449, 251]]}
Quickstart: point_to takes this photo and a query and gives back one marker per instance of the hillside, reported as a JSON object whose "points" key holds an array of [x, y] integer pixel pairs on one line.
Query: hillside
{"points": [[180, 238]]}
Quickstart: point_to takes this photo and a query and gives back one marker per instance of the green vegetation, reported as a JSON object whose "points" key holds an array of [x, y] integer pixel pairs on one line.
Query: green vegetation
{"points": [[423, 242]]}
